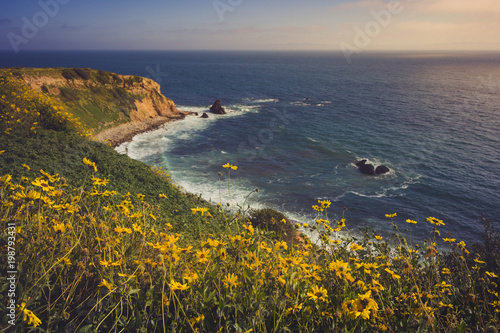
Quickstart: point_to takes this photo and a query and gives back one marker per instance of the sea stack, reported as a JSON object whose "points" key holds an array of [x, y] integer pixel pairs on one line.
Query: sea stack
{"points": [[217, 108]]}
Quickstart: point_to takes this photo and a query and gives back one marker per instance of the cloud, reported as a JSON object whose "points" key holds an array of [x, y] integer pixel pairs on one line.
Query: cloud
{"points": [[362, 4], [243, 31], [295, 29], [427, 6], [427, 34], [69, 27], [457, 6], [292, 30], [427, 26]]}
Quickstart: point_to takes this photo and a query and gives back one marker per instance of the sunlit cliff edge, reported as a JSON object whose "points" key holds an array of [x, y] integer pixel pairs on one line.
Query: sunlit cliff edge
{"points": [[114, 107]]}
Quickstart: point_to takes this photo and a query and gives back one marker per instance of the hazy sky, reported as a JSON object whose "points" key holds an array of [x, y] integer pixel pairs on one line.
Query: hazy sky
{"points": [[250, 24]]}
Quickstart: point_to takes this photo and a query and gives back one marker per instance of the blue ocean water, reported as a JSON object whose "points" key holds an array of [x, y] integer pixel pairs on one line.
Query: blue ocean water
{"points": [[298, 121]]}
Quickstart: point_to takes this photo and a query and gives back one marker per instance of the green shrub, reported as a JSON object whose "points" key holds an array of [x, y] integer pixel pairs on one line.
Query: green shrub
{"points": [[272, 220]]}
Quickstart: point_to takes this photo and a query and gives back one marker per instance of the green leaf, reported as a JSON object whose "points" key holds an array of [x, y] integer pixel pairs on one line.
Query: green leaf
{"points": [[85, 328], [134, 291]]}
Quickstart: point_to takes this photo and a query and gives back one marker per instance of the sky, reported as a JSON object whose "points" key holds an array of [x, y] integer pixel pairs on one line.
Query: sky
{"points": [[347, 25]]}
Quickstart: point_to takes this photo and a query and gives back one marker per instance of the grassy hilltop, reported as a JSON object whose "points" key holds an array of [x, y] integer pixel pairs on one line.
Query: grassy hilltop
{"points": [[97, 98], [102, 243]]}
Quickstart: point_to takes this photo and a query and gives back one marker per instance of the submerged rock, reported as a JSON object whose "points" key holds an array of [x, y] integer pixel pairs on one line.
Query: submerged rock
{"points": [[217, 108], [204, 115]]}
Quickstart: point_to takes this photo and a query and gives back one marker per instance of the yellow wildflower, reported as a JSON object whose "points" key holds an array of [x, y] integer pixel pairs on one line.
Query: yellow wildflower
{"points": [[325, 203], [229, 166], [349, 309], [365, 305], [59, 227], [29, 315], [120, 230], [106, 284], [419, 311], [67, 261], [90, 164], [317, 208], [43, 184], [341, 269], [294, 309], [445, 271], [126, 275], [249, 228], [381, 328], [196, 320], [200, 210], [355, 247], [203, 255], [435, 221], [99, 181], [394, 275], [105, 263], [178, 286], [190, 276], [493, 275], [318, 293], [230, 281], [280, 245]]}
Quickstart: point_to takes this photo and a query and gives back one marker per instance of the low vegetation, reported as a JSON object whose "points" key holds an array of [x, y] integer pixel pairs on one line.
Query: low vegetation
{"points": [[99, 99], [103, 243]]}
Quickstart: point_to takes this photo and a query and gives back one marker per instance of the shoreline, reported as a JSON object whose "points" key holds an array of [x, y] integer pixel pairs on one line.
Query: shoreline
{"points": [[122, 133]]}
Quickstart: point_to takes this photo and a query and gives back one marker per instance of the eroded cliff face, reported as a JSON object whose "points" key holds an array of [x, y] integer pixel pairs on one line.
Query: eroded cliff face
{"points": [[154, 104], [101, 99]]}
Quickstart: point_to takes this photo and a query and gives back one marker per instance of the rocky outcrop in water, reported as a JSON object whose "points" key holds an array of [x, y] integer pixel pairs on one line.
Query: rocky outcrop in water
{"points": [[381, 169], [369, 169], [217, 108]]}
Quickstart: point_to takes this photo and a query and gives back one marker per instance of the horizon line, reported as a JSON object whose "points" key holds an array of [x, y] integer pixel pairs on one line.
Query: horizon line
{"points": [[255, 50]]}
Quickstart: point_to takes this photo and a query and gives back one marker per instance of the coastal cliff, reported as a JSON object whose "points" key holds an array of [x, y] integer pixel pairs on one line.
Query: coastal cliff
{"points": [[114, 107]]}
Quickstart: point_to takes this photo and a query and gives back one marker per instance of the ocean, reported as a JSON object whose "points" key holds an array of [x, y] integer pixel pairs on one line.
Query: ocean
{"points": [[297, 122]]}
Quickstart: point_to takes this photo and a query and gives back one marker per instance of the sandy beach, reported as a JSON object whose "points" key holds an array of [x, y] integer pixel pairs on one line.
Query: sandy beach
{"points": [[125, 132]]}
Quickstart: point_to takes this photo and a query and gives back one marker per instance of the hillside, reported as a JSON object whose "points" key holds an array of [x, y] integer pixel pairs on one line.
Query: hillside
{"points": [[103, 100], [94, 241]]}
